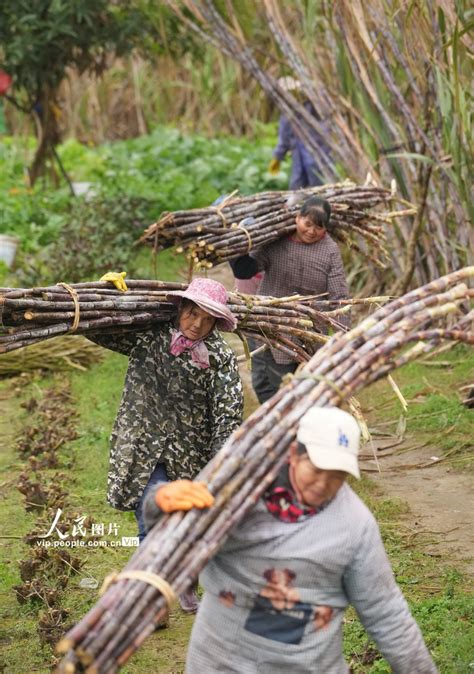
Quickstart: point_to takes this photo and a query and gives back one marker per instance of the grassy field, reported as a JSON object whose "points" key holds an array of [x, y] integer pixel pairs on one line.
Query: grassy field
{"points": [[432, 390], [440, 596]]}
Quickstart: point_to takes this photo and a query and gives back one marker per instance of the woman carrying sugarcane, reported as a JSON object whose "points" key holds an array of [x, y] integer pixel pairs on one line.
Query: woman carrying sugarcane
{"points": [[181, 401], [307, 262]]}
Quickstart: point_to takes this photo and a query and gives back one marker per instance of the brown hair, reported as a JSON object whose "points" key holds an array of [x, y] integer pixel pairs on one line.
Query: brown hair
{"points": [[185, 305]]}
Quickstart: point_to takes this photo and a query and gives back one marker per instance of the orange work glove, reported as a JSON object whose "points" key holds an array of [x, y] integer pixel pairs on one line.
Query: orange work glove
{"points": [[274, 167], [183, 495]]}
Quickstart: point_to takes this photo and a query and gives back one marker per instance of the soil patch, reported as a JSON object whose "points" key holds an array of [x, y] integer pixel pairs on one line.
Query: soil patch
{"points": [[441, 500]]}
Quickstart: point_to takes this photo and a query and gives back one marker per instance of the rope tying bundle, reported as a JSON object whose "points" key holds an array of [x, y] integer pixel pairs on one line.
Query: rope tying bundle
{"points": [[153, 579], [75, 299], [247, 233], [218, 209]]}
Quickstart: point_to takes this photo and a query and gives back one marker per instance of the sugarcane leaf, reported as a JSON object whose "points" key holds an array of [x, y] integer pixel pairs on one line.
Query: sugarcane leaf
{"points": [[467, 29], [411, 155], [412, 6], [442, 22], [443, 93]]}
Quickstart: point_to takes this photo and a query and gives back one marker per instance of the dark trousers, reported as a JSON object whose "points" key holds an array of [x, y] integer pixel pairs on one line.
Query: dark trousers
{"points": [[267, 375], [158, 475], [303, 172]]}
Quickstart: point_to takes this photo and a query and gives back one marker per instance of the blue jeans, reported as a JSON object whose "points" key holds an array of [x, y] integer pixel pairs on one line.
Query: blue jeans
{"points": [[158, 475]]}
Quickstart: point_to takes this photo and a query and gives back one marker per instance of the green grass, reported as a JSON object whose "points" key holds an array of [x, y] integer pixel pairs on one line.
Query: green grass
{"points": [[435, 413], [440, 597]]}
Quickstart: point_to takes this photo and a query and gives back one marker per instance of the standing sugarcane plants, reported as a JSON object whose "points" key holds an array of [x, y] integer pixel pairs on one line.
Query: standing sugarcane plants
{"points": [[177, 548], [391, 86]]}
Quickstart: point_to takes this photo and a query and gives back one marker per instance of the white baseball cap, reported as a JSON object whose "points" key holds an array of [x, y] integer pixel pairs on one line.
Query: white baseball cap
{"points": [[331, 437], [289, 83]]}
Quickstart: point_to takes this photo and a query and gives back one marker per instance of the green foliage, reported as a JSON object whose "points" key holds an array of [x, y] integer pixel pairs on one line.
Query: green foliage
{"points": [[176, 170], [97, 235], [3, 273], [41, 39], [135, 181]]}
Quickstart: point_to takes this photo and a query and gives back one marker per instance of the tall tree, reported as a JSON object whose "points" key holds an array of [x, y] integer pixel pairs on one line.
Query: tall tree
{"points": [[41, 39]]}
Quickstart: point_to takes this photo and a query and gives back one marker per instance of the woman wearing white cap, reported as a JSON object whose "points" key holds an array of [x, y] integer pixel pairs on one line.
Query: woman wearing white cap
{"points": [[276, 592], [182, 397]]}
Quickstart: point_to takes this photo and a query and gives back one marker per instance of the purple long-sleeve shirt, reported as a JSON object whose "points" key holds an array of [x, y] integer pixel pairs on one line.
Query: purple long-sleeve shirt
{"points": [[305, 170]]}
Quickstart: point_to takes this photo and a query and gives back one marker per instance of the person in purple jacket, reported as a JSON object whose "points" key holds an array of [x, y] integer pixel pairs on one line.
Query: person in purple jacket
{"points": [[305, 171]]}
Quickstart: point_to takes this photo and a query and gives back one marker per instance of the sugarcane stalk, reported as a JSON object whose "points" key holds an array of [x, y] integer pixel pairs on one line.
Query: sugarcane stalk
{"points": [[213, 235], [32, 315]]}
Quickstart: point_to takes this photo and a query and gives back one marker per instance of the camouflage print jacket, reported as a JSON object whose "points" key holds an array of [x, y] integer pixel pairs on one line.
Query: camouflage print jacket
{"points": [[171, 410]]}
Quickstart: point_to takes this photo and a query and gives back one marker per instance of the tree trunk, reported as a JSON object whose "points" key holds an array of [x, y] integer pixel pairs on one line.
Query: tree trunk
{"points": [[48, 134]]}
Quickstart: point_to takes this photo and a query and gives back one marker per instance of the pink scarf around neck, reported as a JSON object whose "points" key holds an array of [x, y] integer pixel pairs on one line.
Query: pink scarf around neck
{"points": [[198, 349]]}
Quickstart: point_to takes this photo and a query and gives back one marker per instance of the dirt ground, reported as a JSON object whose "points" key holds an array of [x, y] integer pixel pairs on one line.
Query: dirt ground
{"points": [[441, 500]]}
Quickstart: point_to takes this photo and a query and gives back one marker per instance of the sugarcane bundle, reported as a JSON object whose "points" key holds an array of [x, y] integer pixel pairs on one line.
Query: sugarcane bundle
{"points": [[60, 353], [238, 225], [180, 545], [31, 315]]}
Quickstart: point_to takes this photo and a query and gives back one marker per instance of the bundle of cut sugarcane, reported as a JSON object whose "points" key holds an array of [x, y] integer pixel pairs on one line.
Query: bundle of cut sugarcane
{"points": [[236, 226], [179, 545], [60, 353], [31, 315]]}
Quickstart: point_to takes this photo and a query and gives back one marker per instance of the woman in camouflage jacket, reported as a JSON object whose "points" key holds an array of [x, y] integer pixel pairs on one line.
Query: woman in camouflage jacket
{"points": [[182, 397]]}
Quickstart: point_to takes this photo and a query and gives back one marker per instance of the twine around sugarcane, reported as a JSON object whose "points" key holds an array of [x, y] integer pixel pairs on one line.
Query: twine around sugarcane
{"points": [[219, 212], [249, 238], [153, 579], [218, 209], [75, 299]]}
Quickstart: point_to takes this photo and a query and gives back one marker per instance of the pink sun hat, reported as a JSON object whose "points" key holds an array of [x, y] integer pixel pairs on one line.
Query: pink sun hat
{"points": [[212, 297]]}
